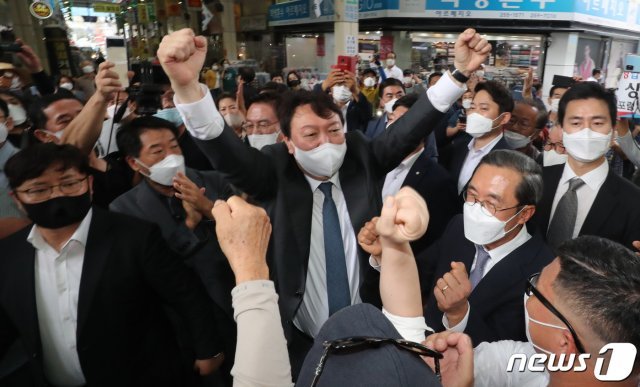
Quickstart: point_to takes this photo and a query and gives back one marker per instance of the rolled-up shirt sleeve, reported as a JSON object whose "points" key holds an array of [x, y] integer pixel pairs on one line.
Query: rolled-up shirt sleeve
{"points": [[410, 328], [202, 118], [461, 326]]}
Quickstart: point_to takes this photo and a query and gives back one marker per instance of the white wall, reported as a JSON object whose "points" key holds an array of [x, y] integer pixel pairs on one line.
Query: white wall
{"points": [[560, 58]]}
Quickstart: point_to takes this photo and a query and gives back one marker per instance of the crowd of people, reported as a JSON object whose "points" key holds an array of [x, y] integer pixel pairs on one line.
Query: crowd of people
{"points": [[375, 229]]}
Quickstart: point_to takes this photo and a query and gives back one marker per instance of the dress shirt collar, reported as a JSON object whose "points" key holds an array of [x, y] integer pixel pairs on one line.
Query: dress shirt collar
{"points": [[314, 184], [485, 149], [593, 179], [503, 250], [80, 235], [408, 162]]}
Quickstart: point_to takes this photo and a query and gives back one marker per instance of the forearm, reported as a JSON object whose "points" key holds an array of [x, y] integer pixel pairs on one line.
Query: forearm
{"points": [[630, 148], [84, 131], [399, 282], [256, 312]]}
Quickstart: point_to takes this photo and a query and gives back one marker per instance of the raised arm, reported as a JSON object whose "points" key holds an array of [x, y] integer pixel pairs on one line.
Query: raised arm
{"points": [[404, 135]]}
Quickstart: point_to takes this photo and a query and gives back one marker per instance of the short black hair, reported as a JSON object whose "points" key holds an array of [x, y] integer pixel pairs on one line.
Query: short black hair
{"points": [[595, 72], [276, 74], [407, 101], [529, 191], [499, 94], [248, 74], [5, 108], [599, 281], [587, 90], [369, 71], [222, 96], [273, 87], [73, 82], [433, 75], [554, 87], [321, 104], [32, 161], [294, 73], [37, 109], [389, 82], [406, 72], [268, 97], [128, 137]]}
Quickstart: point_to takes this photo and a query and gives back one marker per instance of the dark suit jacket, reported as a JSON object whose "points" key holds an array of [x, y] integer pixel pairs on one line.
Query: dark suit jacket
{"points": [[272, 177], [497, 310], [358, 114], [435, 185], [376, 126], [614, 214], [458, 152], [123, 337]]}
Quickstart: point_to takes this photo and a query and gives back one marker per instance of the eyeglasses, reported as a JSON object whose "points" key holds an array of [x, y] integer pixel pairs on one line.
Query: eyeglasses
{"points": [[520, 122], [42, 193], [354, 344], [531, 289], [557, 146], [487, 208], [262, 125]]}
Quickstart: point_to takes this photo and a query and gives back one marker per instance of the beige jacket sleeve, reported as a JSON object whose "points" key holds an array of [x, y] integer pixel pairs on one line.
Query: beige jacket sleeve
{"points": [[261, 351]]}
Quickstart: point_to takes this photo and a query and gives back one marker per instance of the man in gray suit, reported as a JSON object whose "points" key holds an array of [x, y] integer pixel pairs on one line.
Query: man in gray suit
{"points": [[179, 201]]}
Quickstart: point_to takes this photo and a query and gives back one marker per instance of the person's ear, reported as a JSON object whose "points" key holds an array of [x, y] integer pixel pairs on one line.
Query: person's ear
{"points": [[566, 343], [9, 122], [526, 214], [133, 164], [41, 135], [14, 197], [289, 144], [506, 117]]}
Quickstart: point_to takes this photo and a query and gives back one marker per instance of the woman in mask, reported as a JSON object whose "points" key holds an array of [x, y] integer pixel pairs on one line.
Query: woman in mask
{"points": [[65, 82], [293, 80], [18, 136]]}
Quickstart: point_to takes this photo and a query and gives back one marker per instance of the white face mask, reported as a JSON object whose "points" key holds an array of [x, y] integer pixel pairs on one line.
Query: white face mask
{"points": [[214, 68], [551, 157], [407, 81], [18, 114], [57, 134], [388, 107], [258, 141], [4, 132], [391, 62], [516, 140], [164, 171], [528, 319], [170, 114], [234, 120], [341, 93], [479, 125], [369, 82], [323, 161], [586, 145], [16, 83], [87, 69], [466, 103], [483, 229], [67, 86], [555, 102]]}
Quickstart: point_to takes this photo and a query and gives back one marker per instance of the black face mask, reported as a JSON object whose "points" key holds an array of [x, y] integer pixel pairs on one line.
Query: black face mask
{"points": [[59, 212], [293, 83]]}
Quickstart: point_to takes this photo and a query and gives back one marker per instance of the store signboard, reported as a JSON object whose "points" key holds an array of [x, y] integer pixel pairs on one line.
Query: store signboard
{"points": [[301, 11], [627, 94], [106, 7], [253, 23]]}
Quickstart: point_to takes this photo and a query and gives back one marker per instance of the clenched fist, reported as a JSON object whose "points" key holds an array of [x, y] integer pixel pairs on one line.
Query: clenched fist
{"points": [[182, 55], [471, 50]]}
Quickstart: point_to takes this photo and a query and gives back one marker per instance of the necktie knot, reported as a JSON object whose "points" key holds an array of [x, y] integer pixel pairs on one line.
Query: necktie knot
{"points": [[482, 259], [575, 183], [326, 189]]}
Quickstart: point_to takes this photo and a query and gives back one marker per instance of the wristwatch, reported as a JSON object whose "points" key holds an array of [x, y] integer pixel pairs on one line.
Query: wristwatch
{"points": [[459, 76]]}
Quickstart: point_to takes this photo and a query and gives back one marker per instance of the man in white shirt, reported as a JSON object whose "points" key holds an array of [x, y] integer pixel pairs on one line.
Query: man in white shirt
{"points": [[391, 70], [490, 111], [84, 289], [314, 183], [582, 196]]}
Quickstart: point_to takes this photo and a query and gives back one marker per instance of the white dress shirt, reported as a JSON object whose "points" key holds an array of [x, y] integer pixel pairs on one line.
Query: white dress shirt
{"points": [[344, 115], [57, 286], [314, 310], [473, 159], [495, 256], [394, 179], [586, 193], [490, 361], [394, 72]]}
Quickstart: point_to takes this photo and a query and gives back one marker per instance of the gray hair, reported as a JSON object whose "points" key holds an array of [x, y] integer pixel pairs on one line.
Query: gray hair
{"points": [[529, 191]]}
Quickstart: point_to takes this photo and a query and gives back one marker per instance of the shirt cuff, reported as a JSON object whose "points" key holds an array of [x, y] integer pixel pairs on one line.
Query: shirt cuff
{"points": [[461, 326], [410, 328], [445, 92], [374, 263], [201, 118]]}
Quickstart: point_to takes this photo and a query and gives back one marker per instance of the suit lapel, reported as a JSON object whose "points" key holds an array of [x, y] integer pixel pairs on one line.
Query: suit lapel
{"points": [[417, 172], [99, 244], [602, 207], [459, 155]]}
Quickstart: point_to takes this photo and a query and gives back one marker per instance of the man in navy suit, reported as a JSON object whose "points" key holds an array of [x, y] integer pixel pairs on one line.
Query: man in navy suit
{"points": [[492, 243], [428, 178], [490, 111]]}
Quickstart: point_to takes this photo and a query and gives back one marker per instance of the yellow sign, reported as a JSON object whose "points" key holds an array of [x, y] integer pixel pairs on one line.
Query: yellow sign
{"points": [[40, 10], [106, 7]]}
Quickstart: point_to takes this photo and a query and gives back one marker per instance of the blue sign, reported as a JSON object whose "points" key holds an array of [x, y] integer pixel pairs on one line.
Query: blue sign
{"points": [[378, 5], [502, 5], [607, 9]]}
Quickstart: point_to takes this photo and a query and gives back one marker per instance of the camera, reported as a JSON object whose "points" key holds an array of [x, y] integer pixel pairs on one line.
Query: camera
{"points": [[9, 48]]}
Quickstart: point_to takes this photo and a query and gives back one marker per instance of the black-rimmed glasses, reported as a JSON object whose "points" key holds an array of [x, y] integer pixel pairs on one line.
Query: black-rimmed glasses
{"points": [[487, 208], [353, 344], [531, 289]]}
